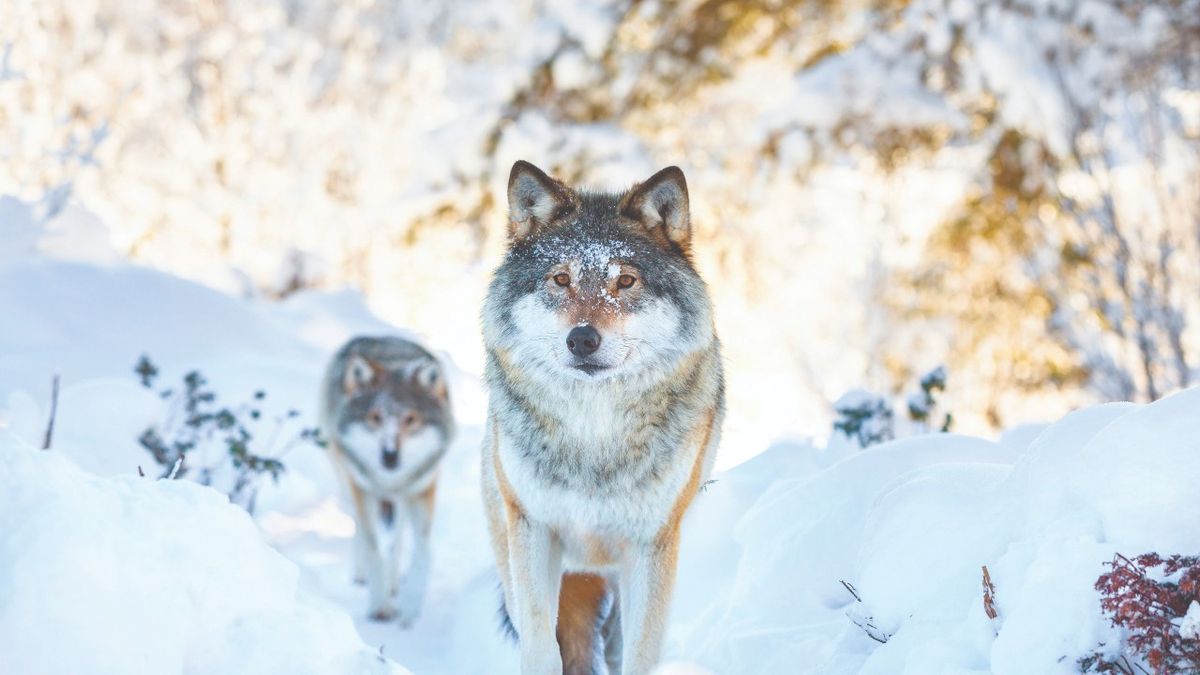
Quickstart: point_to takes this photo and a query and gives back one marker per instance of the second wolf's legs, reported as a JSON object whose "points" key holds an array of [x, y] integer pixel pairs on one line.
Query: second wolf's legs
{"points": [[361, 543], [362, 552], [366, 516], [411, 591]]}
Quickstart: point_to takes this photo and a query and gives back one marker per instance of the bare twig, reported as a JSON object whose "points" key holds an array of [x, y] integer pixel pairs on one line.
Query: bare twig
{"points": [[858, 616], [53, 413], [175, 468], [871, 629]]}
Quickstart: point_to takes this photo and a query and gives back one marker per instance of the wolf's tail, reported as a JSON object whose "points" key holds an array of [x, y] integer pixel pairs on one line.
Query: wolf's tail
{"points": [[589, 625]]}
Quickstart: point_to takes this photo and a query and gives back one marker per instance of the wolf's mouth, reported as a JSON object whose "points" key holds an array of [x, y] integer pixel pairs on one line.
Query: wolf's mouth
{"points": [[590, 368]]}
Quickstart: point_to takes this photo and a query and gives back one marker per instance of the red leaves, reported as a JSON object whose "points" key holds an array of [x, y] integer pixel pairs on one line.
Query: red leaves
{"points": [[1147, 596], [989, 595]]}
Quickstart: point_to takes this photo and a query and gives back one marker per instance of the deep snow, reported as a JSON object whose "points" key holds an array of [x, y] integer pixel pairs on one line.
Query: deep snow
{"points": [[104, 571]]}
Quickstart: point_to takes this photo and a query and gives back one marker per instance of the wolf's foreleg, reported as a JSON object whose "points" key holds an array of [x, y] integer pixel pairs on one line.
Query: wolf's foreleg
{"points": [[366, 509], [646, 581], [411, 593], [535, 560], [362, 552]]}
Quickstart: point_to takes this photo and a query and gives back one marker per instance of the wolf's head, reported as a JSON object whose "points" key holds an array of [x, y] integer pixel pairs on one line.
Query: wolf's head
{"points": [[393, 418], [596, 286]]}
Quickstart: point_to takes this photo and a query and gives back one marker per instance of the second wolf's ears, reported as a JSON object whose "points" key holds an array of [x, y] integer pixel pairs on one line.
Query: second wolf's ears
{"points": [[429, 376], [534, 200], [359, 373], [660, 204]]}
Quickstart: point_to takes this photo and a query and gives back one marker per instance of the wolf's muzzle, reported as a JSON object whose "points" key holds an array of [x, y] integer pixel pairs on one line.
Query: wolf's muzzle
{"points": [[391, 458]]}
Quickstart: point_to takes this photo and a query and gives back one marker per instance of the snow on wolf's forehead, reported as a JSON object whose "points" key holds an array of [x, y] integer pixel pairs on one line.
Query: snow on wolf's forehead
{"points": [[590, 253]]}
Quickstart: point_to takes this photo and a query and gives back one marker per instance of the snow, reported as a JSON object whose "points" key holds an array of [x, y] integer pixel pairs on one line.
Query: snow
{"points": [[1189, 628], [129, 575], [105, 571]]}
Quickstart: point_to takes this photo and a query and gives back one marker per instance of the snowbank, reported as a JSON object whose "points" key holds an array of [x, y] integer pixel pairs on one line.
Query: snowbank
{"points": [[130, 575], [910, 524]]}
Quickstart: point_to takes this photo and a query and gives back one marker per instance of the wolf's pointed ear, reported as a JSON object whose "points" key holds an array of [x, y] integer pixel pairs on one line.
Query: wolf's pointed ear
{"points": [[660, 204], [429, 376], [534, 200], [359, 373]]}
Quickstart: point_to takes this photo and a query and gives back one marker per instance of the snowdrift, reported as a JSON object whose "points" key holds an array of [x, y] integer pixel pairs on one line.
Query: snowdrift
{"points": [[910, 525], [131, 575]]}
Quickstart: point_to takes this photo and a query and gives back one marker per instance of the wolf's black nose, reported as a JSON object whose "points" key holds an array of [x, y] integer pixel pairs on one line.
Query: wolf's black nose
{"points": [[391, 457], [583, 340]]}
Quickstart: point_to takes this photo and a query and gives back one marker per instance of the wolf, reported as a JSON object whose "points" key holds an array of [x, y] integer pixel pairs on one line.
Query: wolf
{"points": [[385, 412], [606, 397]]}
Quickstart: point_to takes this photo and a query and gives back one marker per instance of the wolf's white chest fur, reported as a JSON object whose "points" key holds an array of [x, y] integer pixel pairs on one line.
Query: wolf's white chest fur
{"points": [[590, 522]]}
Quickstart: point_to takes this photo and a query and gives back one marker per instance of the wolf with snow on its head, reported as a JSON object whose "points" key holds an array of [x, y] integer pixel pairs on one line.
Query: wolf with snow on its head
{"points": [[598, 286], [606, 397]]}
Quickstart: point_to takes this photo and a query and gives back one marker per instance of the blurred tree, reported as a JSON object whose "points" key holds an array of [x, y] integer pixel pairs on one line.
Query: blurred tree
{"points": [[1076, 260], [1008, 186]]}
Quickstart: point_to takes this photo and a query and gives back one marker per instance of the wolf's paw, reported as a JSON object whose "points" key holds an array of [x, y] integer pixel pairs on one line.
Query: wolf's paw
{"points": [[382, 614]]}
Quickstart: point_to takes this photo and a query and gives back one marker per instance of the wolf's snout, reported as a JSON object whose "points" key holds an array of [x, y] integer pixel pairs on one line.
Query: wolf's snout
{"points": [[583, 341], [391, 458]]}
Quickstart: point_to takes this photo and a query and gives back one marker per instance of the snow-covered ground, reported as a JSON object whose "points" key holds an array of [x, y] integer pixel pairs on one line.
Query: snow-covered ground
{"points": [[104, 571]]}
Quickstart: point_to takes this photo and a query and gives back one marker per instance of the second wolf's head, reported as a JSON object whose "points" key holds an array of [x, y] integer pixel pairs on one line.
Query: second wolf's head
{"points": [[596, 286], [388, 409]]}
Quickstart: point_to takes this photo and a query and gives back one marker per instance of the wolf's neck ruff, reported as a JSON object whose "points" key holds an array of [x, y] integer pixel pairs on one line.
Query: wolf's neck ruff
{"points": [[605, 435]]}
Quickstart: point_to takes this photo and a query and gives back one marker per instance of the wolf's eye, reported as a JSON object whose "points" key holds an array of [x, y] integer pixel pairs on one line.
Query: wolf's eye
{"points": [[562, 279], [625, 281], [375, 418]]}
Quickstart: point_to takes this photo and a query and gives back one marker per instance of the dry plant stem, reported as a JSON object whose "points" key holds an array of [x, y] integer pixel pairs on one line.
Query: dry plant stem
{"points": [[53, 413]]}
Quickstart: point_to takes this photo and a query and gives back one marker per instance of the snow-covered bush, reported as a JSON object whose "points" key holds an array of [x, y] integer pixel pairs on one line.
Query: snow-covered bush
{"points": [[868, 418], [1156, 600], [864, 417], [922, 404], [214, 443]]}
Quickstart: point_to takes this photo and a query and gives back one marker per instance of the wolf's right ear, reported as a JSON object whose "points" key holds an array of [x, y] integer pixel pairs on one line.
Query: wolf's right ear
{"points": [[534, 200], [359, 373]]}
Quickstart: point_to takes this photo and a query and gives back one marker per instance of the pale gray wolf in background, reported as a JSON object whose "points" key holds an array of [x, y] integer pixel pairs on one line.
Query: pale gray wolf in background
{"points": [[606, 401], [385, 411]]}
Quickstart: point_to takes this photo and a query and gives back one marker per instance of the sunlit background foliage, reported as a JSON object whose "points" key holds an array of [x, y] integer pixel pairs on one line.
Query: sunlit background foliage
{"points": [[1009, 187]]}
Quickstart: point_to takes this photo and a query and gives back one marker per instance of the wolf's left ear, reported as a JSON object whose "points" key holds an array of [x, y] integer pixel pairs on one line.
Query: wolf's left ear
{"points": [[660, 204], [359, 373], [534, 200]]}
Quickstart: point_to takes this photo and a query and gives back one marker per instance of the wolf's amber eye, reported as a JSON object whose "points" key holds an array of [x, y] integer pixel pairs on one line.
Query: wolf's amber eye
{"points": [[562, 279], [625, 281]]}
